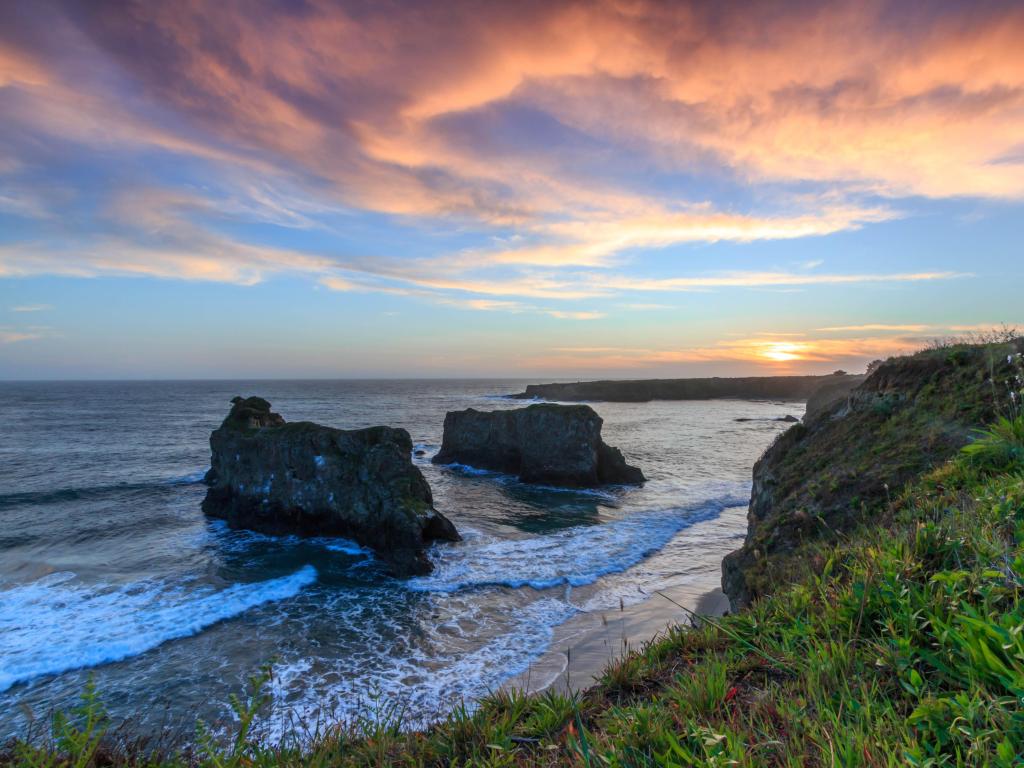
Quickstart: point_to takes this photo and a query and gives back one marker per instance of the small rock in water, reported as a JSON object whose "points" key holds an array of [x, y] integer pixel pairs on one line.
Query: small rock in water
{"points": [[300, 477]]}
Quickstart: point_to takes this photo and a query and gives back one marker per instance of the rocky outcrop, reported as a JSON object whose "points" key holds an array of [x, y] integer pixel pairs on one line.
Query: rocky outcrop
{"points": [[846, 461], [551, 444], [300, 477], [644, 390]]}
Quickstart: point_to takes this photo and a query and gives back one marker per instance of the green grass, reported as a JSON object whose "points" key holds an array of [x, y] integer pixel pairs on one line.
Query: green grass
{"points": [[904, 646], [822, 481]]}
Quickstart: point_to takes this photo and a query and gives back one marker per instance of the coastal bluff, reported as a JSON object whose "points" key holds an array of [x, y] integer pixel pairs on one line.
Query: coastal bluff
{"points": [[276, 477], [645, 390], [855, 448], [544, 443]]}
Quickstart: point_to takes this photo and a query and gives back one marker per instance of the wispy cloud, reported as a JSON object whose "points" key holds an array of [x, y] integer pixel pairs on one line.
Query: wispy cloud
{"points": [[762, 279], [9, 335], [31, 307], [565, 160], [421, 114], [877, 327], [584, 315], [920, 327]]}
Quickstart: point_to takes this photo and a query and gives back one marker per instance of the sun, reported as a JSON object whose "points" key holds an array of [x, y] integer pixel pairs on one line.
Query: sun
{"points": [[782, 351]]}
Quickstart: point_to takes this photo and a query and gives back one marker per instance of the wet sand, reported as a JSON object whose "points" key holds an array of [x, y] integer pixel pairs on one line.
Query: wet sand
{"points": [[584, 645]]}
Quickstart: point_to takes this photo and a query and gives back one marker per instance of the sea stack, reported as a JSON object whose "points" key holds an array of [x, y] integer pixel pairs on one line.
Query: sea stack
{"points": [[544, 443], [276, 477]]}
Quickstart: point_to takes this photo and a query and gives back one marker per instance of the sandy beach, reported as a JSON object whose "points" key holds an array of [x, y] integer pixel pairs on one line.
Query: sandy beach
{"points": [[585, 645]]}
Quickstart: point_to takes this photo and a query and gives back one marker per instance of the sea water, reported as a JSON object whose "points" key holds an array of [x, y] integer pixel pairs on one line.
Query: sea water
{"points": [[109, 569]]}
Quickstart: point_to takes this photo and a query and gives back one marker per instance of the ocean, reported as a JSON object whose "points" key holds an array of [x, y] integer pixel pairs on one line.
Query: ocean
{"points": [[109, 569]]}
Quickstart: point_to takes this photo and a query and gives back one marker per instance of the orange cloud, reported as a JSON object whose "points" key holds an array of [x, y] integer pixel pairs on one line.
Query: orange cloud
{"points": [[926, 106], [401, 112], [768, 352], [13, 336]]}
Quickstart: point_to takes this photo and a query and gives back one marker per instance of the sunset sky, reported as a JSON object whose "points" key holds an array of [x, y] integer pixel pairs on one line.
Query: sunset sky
{"points": [[624, 188]]}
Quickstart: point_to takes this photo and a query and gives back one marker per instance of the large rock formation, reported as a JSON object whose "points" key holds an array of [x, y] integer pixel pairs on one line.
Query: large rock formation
{"points": [[552, 444], [304, 478], [644, 390], [853, 453]]}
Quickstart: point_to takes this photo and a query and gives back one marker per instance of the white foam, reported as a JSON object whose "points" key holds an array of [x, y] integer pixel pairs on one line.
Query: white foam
{"points": [[190, 479], [240, 540], [48, 627], [504, 477], [466, 469], [424, 679], [574, 556], [345, 546]]}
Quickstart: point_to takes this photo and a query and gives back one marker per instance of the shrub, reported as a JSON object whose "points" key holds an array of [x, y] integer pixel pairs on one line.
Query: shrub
{"points": [[1000, 448]]}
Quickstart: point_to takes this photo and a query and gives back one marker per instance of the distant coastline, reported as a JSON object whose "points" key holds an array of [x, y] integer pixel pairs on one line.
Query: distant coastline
{"points": [[645, 390]]}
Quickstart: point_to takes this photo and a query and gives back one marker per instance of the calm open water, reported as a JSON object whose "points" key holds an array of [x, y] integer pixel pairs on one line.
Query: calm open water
{"points": [[108, 567]]}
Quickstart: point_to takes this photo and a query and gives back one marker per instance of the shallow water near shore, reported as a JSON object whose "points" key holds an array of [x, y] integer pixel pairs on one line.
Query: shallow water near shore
{"points": [[108, 567]]}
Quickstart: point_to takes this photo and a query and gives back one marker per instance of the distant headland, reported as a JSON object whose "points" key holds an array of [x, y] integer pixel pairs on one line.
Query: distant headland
{"points": [[644, 390]]}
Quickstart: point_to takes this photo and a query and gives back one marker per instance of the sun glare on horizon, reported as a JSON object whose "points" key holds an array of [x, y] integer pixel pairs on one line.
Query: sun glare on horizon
{"points": [[782, 351]]}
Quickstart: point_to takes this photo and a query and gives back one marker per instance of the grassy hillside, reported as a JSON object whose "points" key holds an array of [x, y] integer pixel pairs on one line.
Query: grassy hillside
{"points": [[901, 643], [823, 478]]}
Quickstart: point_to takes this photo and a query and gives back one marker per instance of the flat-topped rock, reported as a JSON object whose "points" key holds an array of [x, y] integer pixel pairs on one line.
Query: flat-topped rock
{"points": [[300, 477], [544, 443]]}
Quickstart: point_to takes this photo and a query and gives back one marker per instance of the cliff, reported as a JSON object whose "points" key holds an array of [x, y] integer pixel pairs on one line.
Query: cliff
{"points": [[825, 476], [644, 390], [300, 477], [544, 443]]}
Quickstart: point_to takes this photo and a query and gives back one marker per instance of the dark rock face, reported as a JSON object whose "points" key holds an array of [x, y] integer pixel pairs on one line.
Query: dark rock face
{"points": [[854, 451], [552, 444], [304, 478]]}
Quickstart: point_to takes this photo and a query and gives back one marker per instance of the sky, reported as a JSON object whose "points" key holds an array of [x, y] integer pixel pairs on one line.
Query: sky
{"points": [[532, 189]]}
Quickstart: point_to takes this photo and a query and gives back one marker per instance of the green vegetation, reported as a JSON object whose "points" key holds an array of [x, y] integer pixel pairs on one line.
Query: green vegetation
{"points": [[901, 642], [820, 481]]}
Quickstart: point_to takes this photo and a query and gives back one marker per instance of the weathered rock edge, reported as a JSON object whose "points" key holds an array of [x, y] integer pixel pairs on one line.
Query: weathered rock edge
{"points": [[276, 477], [544, 443]]}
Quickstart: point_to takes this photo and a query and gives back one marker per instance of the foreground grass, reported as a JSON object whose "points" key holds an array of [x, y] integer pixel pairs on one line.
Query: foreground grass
{"points": [[907, 647]]}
